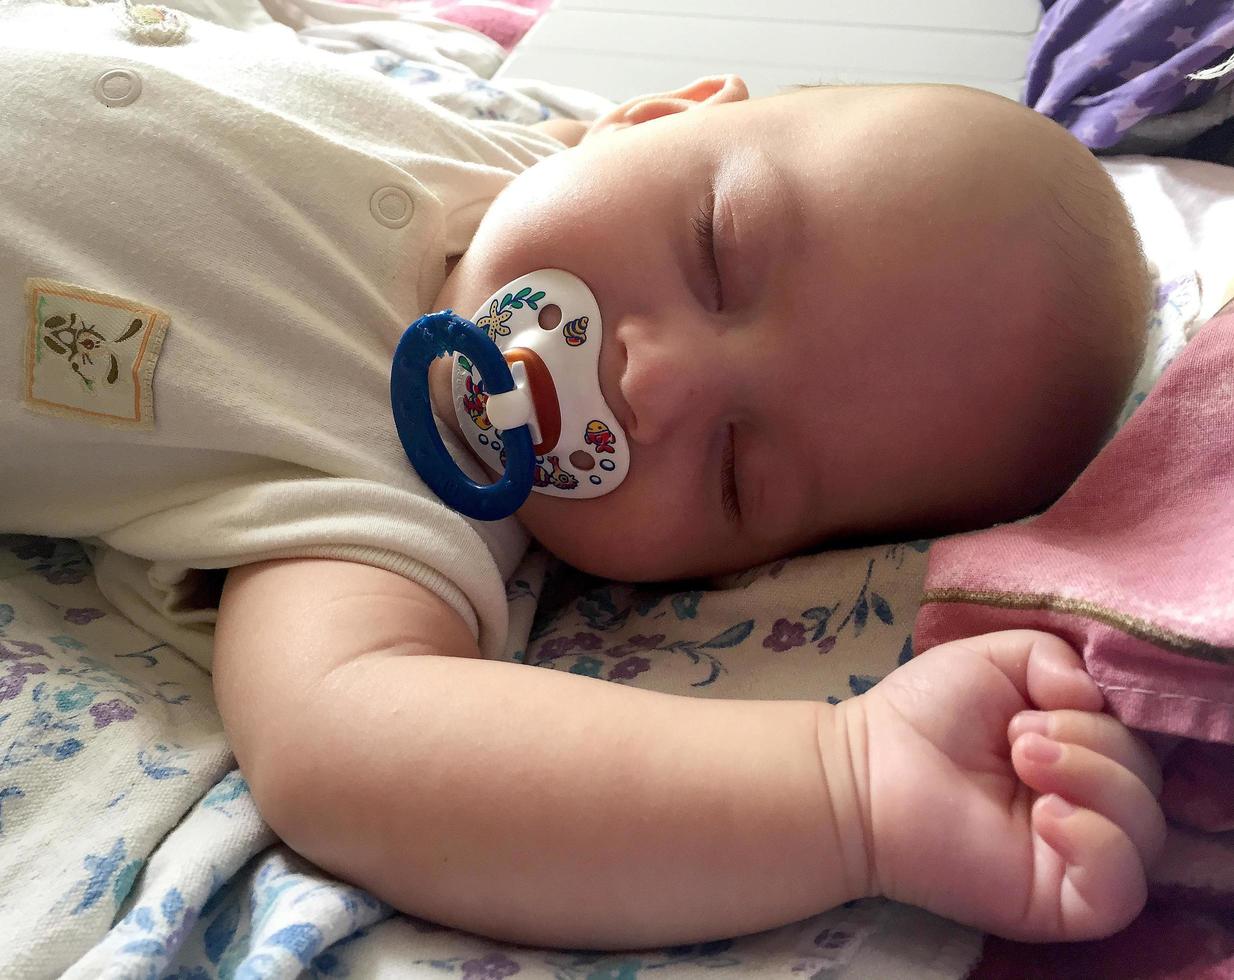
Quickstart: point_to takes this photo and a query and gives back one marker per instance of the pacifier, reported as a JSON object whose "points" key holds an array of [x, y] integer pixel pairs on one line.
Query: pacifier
{"points": [[526, 389]]}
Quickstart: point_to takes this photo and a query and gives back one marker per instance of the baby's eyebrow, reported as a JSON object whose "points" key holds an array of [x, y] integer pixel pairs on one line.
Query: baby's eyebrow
{"points": [[784, 189], [777, 241]]}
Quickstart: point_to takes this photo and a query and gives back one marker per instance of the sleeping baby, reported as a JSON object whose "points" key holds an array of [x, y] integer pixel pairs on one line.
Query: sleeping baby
{"points": [[829, 315]]}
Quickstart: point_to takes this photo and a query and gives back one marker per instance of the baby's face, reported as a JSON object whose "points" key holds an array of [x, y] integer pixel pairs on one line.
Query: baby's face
{"points": [[816, 307]]}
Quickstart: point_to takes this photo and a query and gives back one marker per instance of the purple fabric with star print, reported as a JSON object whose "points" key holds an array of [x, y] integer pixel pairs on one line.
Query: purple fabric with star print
{"points": [[1099, 67]]}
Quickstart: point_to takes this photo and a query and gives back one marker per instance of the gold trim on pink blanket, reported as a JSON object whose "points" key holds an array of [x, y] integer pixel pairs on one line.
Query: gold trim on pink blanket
{"points": [[1189, 646]]}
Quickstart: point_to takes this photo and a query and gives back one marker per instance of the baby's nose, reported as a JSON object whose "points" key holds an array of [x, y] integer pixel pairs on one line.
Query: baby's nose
{"points": [[673, 387]]}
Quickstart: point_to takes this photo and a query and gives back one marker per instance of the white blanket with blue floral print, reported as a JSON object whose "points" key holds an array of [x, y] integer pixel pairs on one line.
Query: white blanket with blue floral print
{"points": [[130, 846]]}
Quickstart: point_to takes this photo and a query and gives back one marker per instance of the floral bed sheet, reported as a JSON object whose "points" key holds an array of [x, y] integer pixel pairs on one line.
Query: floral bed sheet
{"points": [[130, 846]]}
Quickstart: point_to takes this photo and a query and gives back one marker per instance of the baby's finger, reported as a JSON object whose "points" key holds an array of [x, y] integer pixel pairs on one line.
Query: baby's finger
{"points": [[1098, 732], [1103, 886], [1090, 780]]}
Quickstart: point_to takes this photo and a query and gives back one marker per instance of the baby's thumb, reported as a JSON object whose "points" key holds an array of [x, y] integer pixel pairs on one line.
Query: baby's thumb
{"points": [[1044, 668], [1057, 678]]}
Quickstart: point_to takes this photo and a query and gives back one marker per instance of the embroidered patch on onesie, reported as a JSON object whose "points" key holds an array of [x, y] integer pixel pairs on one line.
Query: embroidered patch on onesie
{"points": [[90, 355]]}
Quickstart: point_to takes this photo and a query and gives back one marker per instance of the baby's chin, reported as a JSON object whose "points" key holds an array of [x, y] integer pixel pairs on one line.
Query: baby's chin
{"points": [[580, 533], [591, 536]]}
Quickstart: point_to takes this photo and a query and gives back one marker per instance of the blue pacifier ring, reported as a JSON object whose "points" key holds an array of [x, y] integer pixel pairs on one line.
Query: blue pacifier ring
{"points": [[430, 337]]}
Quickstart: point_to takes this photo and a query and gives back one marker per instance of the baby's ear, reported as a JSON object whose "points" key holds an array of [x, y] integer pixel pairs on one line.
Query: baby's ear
{"points": [[713, 90]]}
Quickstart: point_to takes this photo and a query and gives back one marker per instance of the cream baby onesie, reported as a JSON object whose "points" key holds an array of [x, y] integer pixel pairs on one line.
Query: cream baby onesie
{"points": [[209, 250]]}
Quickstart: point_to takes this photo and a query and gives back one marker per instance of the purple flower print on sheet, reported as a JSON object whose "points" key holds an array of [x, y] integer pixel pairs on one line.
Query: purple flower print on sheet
{"points": [[559, 646], [80, 617], [785, 635], [495, 966], [789, 633], [551, 652], [108, 711], [629, 669], [14, 680]]}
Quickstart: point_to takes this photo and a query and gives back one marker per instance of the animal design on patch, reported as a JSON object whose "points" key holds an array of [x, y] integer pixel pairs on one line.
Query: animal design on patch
{"points": [[550, 474], [576, 331], [85, 348], [475, 398], [599, 435]]}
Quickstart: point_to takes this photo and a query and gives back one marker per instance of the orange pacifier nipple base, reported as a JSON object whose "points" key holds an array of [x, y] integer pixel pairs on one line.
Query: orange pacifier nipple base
{"points": [[543, 396]]}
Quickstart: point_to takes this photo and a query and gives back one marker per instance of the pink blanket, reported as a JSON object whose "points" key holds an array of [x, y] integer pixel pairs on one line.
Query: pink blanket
{"points": [[505, 21], [1134, 566]]}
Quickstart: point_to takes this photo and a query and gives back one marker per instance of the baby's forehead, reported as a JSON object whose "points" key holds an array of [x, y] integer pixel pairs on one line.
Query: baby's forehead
{"points": [[959, 149], [944, 117]]}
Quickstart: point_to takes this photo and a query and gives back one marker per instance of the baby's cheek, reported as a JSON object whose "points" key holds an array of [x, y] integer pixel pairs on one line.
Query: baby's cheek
{"points": [[540, 212], [613, 536]]}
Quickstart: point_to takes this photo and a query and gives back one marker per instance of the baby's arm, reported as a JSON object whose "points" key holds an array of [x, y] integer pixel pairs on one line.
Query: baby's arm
{"points": [[552, 809], [526, 804]]}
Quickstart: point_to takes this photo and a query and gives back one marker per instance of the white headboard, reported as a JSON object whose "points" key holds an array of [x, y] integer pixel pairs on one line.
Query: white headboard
{"points": [[621, 48]]}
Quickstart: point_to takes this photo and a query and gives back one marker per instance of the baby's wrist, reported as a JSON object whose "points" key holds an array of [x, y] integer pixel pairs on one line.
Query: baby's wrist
{"points": [[843, 749]]}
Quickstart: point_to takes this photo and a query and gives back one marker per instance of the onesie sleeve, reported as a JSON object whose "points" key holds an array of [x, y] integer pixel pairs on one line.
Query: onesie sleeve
{"points": [[526, 144]]}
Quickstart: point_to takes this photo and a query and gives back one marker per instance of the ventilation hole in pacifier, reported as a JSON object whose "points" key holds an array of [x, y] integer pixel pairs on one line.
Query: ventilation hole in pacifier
{"points": [[582, 460], [550, 317]]}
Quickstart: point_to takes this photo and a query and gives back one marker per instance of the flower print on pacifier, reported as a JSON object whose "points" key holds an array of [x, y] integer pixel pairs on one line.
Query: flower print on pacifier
{"points": [[526, 390]]}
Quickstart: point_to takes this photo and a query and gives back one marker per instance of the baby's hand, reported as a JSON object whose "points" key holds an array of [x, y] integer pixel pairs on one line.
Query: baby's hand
{"points": [[998, 794]]}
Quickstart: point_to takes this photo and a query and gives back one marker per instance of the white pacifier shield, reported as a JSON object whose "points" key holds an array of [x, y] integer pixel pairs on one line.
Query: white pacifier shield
{"points": [[589, 456]]}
